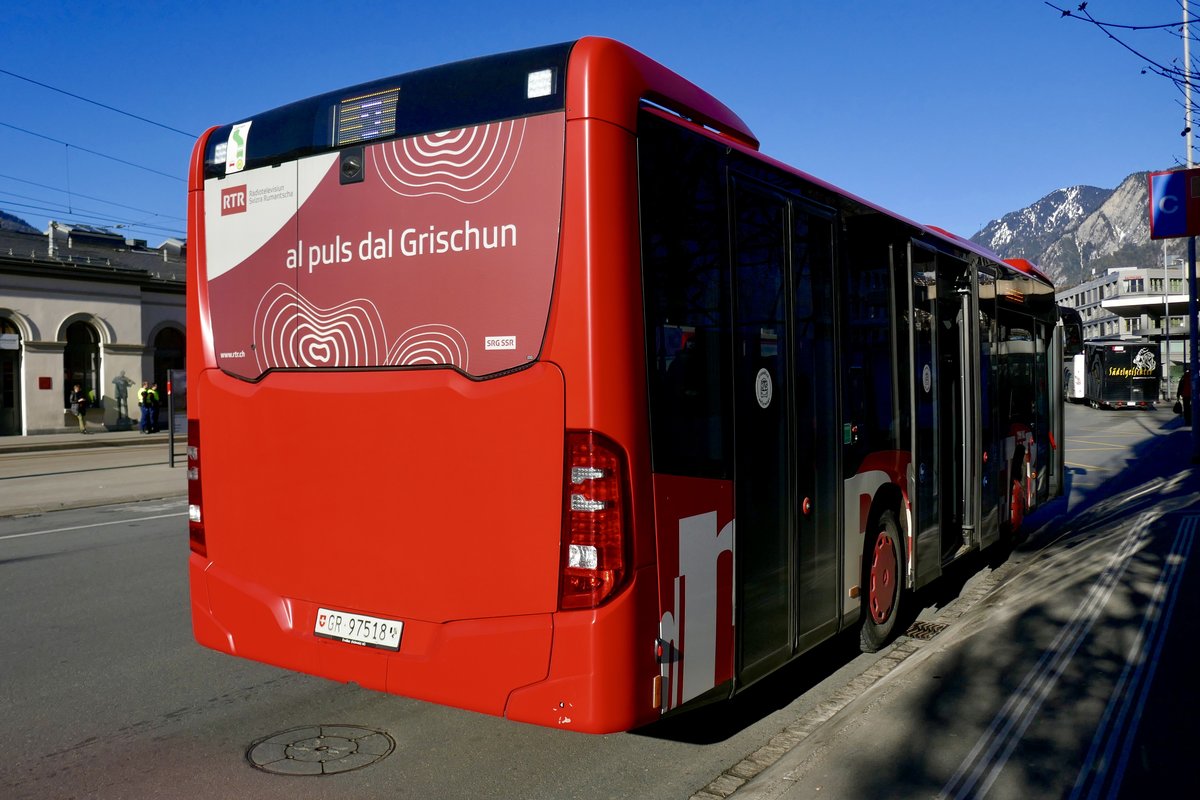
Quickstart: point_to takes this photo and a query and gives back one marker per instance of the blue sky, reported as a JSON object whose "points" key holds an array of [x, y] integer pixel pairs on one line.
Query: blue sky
{"points": [[951, 112]]}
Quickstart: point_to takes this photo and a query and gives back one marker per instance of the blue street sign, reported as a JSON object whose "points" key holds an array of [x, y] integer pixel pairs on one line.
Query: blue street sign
{"points": [[1174, 210]]}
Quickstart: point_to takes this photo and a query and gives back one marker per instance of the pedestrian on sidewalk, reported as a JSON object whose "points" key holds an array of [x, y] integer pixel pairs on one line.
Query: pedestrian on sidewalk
{"points": [[79, 404], [1185, 397], [155, 404], [144, 407]]}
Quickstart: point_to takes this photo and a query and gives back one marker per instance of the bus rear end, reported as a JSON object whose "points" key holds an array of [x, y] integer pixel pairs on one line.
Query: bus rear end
{"points": [[387, 482], [1123, 374]]}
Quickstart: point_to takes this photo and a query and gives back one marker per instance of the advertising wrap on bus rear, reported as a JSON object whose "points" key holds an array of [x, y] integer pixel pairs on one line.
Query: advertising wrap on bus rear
{"points": [[526, 384], [434, 250]]}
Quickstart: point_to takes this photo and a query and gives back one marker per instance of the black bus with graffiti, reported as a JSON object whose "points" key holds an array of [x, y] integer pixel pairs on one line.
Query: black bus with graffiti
{"points": [[1122, 373]]}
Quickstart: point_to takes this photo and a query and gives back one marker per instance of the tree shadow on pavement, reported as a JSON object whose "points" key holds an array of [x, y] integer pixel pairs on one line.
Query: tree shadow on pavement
{"points": [[1032, 688]]}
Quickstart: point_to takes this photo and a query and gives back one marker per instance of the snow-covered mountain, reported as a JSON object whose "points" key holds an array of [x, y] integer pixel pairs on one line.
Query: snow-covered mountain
{"points": [[1031, 231], [1072, 232]]}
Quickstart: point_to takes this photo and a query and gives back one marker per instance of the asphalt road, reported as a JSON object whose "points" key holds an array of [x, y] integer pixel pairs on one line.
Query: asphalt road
{"points": [[104, 694], [1062, 669]]}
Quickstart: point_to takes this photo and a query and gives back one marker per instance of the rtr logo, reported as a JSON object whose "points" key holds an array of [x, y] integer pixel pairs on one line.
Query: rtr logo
{"points": [[233, 200]]}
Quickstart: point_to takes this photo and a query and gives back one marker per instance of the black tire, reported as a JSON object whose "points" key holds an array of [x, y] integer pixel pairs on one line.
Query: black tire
{"points": [[882, 582]]}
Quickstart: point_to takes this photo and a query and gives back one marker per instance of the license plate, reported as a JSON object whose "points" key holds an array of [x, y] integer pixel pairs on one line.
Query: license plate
{"points": [[358, 629]]}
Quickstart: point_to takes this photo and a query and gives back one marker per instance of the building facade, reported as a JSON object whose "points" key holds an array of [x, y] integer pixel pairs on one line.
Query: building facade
{"points": [[83, 305], [1145, 302]]}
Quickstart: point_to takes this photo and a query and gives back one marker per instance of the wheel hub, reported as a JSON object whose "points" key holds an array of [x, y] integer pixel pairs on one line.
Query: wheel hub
{"points": [[883, 579]]}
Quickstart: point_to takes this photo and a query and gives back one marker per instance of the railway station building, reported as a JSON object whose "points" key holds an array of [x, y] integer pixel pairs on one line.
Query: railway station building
{"points": [[84, 305]]}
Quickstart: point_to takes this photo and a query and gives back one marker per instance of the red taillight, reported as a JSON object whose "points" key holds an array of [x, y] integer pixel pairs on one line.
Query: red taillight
{"points": [[594, 537], [195, 498]]}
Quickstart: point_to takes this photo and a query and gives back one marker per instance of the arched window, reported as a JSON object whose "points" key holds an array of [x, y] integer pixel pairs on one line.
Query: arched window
{"points": [[10, 365], [169, 348], [81, 360]]}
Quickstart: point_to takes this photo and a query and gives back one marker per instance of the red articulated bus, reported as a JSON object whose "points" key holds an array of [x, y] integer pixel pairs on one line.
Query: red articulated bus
{"points": [[526, 384]]}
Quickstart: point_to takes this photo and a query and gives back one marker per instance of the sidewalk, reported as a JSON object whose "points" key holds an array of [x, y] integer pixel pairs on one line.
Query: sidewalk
{"points": [[57, 471], [1071, 639], [97, 436]]}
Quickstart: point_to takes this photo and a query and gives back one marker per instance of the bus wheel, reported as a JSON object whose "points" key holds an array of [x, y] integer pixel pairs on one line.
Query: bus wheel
{"points": [[882, 571]]}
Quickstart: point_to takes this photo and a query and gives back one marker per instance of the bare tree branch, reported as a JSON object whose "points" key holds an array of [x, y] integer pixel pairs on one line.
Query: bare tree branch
{"points": [[1183, 77]]}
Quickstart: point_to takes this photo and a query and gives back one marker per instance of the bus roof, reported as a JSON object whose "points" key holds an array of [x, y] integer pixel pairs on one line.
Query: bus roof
{"points": [[608, 79], [604, 78]]}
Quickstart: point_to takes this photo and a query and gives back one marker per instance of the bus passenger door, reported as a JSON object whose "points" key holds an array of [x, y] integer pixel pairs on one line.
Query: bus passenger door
{"points": [[924, 468], [817, 444], [944, 399], [785, 427], [762, 430], [1055, 394]]}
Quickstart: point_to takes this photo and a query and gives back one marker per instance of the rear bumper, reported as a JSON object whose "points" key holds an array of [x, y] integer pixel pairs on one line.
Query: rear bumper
{"points": [[576, 670], [471, 663]]}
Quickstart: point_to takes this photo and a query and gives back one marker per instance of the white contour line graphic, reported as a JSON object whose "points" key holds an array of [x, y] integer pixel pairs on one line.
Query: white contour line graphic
{"points": [[291, 331], [422, 164], [422, 169], [433, 344], [444, 139], [429, 180]]}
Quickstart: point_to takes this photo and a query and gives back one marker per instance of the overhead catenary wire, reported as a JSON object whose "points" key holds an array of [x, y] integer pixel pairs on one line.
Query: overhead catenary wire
{"points": [[97, 103], [49, 206], [69, 193], [68, 207], [80, 215], [92, 152]]}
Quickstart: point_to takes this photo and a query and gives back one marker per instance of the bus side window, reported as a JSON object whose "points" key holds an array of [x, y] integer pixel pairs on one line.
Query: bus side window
{"points": [[690, 406], [686, 282]]}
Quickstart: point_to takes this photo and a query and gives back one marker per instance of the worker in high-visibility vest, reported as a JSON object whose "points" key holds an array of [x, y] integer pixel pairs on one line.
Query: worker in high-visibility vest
{"points": [[155, 403], [146, 418]]}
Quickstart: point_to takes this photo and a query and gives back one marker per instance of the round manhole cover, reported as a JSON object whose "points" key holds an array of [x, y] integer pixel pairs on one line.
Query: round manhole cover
{"points": [[320, 750]]}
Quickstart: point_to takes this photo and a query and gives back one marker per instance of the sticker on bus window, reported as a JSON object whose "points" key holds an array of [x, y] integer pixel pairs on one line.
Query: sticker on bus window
{"points": [[499, 343], [235, 150], [764, 389]]}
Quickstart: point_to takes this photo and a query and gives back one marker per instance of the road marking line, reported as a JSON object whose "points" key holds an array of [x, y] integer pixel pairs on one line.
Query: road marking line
{"points": [[92, 525], [1087, 466]]}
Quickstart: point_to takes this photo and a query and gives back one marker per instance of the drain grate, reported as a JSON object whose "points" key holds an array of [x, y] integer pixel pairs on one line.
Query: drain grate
{"points": [[320, 750], [922, 629]]}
